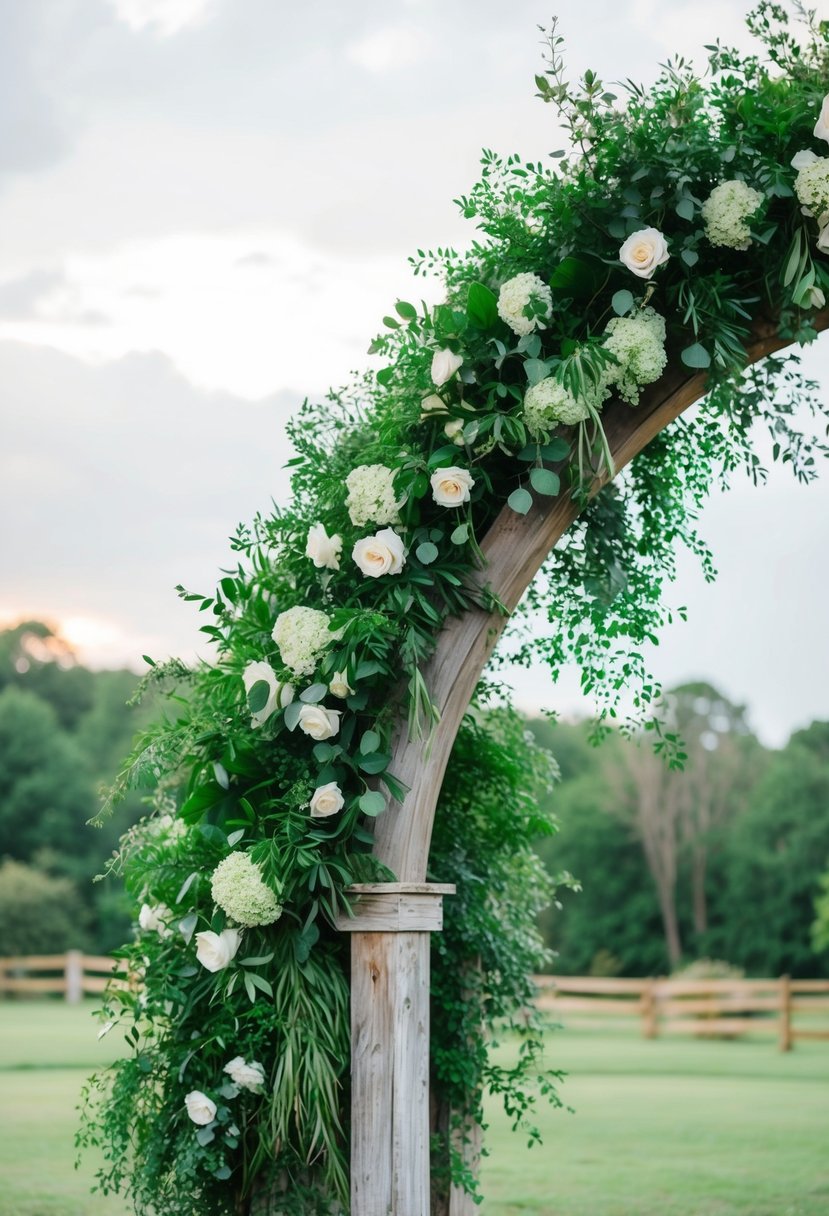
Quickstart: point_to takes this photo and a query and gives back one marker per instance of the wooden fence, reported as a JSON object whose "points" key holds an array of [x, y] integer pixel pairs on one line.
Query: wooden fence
{"points": [[73, 975], [790, 1009], [723, 1008]]}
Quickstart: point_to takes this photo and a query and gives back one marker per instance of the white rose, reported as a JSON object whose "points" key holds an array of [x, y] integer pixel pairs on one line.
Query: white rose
{"points": [[380, 554], [823, 234], [326, 800], [444, 365], [431, 405], [339, 686], [801, 159], [279, 694], [215, 950], [323, 550], [246, 1076], [152, 920], [318, 722], [450, 487], [643, 251], [822, 124], [200, 1108], [454, 430]]}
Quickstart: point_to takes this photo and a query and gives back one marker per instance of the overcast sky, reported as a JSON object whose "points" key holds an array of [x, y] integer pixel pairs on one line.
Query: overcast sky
{"points": [[206, 208]]}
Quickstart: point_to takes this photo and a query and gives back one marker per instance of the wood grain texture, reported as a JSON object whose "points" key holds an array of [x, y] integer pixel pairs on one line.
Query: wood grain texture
{"points": [[515, 547], [390, 1074], [394, 912]]}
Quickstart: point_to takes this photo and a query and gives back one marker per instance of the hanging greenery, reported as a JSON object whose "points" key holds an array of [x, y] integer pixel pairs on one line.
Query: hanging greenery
{"points": [[678, 216]]}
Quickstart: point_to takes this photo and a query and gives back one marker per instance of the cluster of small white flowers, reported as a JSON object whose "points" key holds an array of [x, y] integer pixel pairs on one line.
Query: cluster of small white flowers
{"points": [[638, 342], [812, 185], [547, 404], [302, 634], [525, 294], [371, 498], [726, 211], [239, 890]]}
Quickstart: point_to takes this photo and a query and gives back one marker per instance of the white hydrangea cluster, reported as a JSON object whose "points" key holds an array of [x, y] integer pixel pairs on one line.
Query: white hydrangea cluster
{"points": [[302, 634], [237, 887], [520, 295], [725, 213], [638, 342], [371, 497], [812, 186], [547, 404]]}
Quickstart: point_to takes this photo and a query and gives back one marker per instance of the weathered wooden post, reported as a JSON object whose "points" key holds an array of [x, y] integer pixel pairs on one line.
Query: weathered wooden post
{"points": [[390, 943], [73, 977]]}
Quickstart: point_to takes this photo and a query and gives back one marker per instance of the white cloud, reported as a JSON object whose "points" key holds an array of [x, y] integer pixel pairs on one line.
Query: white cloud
{"points": [[162, 17], [247, 312], [387, 50]]}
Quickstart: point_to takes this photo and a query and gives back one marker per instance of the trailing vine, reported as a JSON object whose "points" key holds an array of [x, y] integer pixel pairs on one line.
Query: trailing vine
{"points": [[679, 217]]}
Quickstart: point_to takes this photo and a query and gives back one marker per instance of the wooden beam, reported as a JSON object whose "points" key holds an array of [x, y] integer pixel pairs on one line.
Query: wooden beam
{"points": [[515, 548]]}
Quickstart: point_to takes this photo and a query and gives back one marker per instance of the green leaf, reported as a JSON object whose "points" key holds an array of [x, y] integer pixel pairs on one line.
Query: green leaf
{"points": [[187, 927], [375, 763], [323, 752], [426, 553], [385, 376], [520, 501], [622, 302], [696, 356], [314, 694], [793, 263], [685, 209], [545, 481], [407, 311], [234, 838], [578, 276], [556, 449], [220, 773], [258, 961], [460, 534], [368, 667], [372, 803], [292, 713], [481, 306], [228, 586], [369, 742], [536, 370], [391, 323], [690, 257], [188, 882], [258, 696]]}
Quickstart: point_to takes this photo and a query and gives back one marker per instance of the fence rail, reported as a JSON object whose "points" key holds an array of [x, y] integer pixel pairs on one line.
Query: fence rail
{"points": [[73, 975], [723, 1008], [705, 1008]]}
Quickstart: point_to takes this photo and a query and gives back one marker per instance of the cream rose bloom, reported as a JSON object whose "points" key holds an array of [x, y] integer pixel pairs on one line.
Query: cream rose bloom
{"points": [[444, 365], [200, 1108], [323, 550], [801, 159], [339, 686], [215, 950], [454, 430], [822, 124], [643, 251], [246, 1076], [383, 553], [431, 405], [318, 722], [279, 694], [326, 800], [154, 920], [450, 487]]}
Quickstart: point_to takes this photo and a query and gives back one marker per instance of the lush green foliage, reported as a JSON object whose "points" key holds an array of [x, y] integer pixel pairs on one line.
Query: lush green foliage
{"points": [[281, 749]]}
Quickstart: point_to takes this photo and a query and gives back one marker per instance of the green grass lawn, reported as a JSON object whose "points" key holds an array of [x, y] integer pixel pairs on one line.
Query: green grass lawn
{"points": [[668, 1128]]}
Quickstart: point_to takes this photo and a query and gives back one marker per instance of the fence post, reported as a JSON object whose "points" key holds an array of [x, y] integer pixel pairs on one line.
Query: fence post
{"points": [[73, 977], [785, 1039], [390, 932], [650, 1023]]}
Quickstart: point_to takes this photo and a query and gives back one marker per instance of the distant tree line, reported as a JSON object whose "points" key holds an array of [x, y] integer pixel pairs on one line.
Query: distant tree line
{"points": [[722, 860], [725, 859]]}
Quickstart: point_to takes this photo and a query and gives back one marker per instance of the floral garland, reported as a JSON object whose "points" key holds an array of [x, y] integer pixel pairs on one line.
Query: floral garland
{"points": [[637, 252]]}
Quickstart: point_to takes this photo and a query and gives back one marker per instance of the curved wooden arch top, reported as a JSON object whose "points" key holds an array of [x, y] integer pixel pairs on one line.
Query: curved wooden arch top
{"points": [[515, 547]]}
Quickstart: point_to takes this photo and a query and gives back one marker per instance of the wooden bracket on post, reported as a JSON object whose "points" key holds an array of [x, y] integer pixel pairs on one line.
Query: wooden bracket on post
{"points": [[390, 926]]}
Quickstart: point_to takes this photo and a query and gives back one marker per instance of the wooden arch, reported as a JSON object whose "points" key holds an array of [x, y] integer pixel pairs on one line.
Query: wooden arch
{"points": [[390, 1110], [515, 547]]}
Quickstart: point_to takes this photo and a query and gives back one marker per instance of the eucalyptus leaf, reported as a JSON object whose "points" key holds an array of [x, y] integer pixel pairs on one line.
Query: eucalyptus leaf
{"points": [[520, 501], [314, 694], [292, 713], [372, 803], [426, 553], [545, 481], [696, 356], [460, 534], [369, 742], [622, 302]]}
